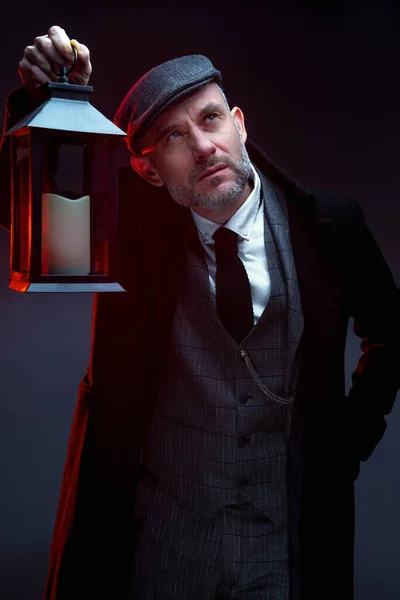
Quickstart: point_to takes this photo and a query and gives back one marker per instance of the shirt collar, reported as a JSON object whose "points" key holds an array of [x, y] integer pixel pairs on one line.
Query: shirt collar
{"points": [[241, 222]]}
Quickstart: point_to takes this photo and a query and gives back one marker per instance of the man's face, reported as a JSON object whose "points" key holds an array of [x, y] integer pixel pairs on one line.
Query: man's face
{"points": [[198, 152]]}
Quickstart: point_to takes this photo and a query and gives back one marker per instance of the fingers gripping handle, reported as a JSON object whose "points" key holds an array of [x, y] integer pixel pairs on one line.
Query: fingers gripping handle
{"points": [[63, 73]]}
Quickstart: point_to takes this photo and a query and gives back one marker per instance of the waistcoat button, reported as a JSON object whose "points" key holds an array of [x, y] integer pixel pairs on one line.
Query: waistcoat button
{"points": [[243, 440], [244, 398]]}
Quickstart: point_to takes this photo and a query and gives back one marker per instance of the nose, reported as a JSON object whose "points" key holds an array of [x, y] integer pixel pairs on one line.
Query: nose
{"points": [[202, 145]]}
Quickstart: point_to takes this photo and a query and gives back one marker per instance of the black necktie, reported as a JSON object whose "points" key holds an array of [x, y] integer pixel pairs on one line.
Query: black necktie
{"points": [[234, 305]]}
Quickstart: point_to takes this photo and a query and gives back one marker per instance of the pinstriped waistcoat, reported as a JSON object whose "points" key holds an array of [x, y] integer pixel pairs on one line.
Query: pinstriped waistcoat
{"points": [[215, 432]]}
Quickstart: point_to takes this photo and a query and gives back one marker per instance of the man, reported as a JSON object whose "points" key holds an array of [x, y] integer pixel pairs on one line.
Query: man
{"points": [[213, 452]]}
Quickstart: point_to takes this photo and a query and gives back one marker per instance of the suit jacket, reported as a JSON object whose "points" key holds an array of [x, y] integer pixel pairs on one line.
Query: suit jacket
{"points": [[341, 273]]}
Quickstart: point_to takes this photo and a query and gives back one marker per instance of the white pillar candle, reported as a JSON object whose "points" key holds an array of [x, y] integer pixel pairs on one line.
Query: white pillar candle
{"points": [[65, 235]]}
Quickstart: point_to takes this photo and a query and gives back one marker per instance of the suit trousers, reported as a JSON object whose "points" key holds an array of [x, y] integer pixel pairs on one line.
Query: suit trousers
{"points": [[181, 554]]}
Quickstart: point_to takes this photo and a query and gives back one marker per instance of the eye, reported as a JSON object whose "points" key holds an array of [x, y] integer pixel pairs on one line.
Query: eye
{"points": [[212, 121], [212, 116], [174, 135]]}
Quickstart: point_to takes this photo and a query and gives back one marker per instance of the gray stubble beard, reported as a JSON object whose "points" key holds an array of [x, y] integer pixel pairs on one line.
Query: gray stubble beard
{"points": [[186, 195]]}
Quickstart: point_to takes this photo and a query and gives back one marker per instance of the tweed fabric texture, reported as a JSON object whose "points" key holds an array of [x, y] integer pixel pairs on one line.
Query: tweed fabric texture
{"points": [[182, 555], [215, 433]]}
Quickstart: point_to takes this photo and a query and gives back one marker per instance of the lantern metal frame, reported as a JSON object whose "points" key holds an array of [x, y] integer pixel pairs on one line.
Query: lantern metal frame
{"points": [[83, 124]]}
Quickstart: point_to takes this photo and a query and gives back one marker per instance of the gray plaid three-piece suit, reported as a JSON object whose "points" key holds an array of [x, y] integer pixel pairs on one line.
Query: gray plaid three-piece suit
{"points": [[214, 504]]}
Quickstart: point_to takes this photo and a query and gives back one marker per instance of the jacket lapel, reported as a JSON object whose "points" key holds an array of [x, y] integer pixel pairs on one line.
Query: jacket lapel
{"points": [[275, 209], [312, 240]]}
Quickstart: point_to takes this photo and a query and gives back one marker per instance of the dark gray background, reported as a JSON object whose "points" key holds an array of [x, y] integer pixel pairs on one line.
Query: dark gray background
{"points": [[319, 86]]}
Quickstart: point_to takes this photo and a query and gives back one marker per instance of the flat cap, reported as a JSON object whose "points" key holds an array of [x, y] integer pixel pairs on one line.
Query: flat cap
{"points": [[160, 87]]}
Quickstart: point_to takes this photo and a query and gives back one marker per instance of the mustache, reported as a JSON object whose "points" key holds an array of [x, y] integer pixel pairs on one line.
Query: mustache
{"points": [[226, 160]]}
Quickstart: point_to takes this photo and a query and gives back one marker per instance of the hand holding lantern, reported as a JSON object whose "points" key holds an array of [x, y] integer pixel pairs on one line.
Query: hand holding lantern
{"points": [[50, 52]]}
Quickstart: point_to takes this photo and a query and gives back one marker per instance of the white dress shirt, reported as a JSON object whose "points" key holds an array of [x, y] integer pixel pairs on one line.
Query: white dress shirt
{"points": [[248, 223]]}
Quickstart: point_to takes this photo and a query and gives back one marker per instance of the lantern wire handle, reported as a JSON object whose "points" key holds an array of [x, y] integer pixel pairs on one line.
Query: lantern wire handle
{"points": [[63, 73]]}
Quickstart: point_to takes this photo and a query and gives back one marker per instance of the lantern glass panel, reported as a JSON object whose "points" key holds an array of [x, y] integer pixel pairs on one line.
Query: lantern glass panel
{"points": [[75, 199], [21, 217]]}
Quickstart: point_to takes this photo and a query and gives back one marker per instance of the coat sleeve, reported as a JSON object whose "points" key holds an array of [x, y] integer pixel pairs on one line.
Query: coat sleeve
{"points": [[94, 533], [375, 308]]}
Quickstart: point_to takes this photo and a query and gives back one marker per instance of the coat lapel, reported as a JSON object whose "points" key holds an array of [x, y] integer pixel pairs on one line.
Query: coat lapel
{"points": [[312, 243]]}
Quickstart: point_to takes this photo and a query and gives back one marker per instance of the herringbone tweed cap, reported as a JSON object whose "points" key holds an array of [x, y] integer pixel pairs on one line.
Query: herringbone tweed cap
{"points": [[160, 87]]}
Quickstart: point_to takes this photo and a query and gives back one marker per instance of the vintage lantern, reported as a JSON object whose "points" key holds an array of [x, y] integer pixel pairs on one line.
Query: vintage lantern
{"points": [[64, 212]]}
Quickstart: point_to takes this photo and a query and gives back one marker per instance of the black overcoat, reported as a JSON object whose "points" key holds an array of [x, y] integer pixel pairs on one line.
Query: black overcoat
{"points": [[341, 275]]}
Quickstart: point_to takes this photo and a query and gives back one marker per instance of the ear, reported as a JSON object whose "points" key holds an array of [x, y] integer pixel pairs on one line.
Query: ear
{"points": [[144, 168], [238, 117]]}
